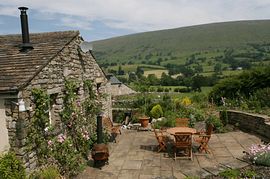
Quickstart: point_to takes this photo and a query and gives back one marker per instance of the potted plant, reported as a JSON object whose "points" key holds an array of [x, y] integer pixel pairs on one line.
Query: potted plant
{"points": [[144, 120]]}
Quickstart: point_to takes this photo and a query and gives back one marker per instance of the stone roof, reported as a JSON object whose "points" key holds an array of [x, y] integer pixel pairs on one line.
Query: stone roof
{"points": [[18, 68], [114, 81]]}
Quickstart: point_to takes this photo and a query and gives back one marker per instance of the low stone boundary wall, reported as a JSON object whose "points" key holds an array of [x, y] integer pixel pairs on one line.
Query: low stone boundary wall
{"points": [[254, 123]]}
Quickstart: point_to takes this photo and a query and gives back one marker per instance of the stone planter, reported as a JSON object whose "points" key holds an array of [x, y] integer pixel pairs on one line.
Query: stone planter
{"points": [[144, 121]]}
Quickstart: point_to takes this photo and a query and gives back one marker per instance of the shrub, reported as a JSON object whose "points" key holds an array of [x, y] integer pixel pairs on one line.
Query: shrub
{"points": [[49, 172], [166, 122], [156, 111], [241, 85], [224, 117], [68, 158], [160, 89], [11, 167], [230, 173], [216, 122], [199, 98], [120, 117], [263, 96], [186, 101], [184, 90]]}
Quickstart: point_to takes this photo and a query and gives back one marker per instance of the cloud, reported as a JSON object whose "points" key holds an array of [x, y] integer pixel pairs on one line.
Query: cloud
{"points": [[140, 15]]}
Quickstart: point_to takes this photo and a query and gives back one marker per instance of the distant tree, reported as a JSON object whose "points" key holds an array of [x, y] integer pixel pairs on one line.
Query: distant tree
{"points": [[153, 80], [197, 82], [139, 72], [120, 71], [198, 68], [132, 77], [159, 61], [218, 68], [122, 79], [187, 82], [167, 80], [112, 71]]}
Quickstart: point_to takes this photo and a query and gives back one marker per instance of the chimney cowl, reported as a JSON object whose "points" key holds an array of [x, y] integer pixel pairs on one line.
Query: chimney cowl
{"points": [[26, 45]]}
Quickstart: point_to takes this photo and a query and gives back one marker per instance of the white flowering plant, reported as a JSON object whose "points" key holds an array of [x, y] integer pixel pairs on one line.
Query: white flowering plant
{"points": [[259, 154]]}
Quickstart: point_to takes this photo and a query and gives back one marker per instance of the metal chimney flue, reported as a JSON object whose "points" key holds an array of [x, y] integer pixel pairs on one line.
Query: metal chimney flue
{"points": [[26, 45]]}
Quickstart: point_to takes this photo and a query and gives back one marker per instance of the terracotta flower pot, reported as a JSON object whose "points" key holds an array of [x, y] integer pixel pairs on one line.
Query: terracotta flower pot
{"points": [[144, 121]]}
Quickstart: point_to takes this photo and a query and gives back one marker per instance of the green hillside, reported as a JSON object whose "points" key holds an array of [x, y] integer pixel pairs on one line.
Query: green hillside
{"points": [[175, 45]]}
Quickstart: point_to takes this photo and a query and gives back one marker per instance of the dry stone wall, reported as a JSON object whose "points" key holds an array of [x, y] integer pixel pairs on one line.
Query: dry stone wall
{"points": [[258, 124]]}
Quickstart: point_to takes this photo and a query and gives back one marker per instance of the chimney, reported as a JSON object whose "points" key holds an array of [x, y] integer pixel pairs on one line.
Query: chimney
{"points": [[26, 45]]}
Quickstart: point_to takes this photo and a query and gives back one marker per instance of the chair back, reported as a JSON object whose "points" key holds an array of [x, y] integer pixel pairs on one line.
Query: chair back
{"points": [[210, 128], [181, 122], [183, 139], [161, 140], [107, 123]]}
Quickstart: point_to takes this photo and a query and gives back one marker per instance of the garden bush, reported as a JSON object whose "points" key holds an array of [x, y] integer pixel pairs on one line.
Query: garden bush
{"points": [[165, 122], [224, 117], [11, 167], [218, 126], [156, 111], [199, 98], [184, 90], [69, 159], [244, 84], [48, 172], [230, 173], [263, 96], [119, 117]]}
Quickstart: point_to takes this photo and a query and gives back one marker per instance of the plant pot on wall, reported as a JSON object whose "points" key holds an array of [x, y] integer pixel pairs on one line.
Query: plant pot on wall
{"points": [[144, 121]]}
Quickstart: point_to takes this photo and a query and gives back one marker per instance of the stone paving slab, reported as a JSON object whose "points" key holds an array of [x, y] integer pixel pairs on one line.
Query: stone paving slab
{"points": [[135, 156], [235, 163], [215, 169]]}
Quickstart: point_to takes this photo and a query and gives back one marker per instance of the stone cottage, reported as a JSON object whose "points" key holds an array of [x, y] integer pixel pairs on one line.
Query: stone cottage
{"points": [[41, 60]]}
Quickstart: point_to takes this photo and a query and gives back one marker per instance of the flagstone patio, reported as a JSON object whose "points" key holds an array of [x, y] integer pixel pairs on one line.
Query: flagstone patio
{"points": [[135, 156]]}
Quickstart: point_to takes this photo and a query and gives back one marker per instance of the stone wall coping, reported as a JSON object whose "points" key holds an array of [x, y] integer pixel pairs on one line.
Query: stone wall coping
{"points": [[267, 118]]}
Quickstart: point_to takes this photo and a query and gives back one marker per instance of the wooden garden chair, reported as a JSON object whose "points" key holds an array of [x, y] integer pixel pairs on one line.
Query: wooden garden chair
{"points": [[183, 142], [113, 129], [181, 122], [204, 138], [161, 138]]}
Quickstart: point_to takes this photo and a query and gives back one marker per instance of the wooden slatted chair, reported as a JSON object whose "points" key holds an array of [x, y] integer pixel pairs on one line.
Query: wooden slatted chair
{"points": [[181, 122], [111, 128], [161, 138], [183, 142], [204, 138]]}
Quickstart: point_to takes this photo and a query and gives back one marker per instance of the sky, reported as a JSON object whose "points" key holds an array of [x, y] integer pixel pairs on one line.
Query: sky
{"points": [[102, 19]]}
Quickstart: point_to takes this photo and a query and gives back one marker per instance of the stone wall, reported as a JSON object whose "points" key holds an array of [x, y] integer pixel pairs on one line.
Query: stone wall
{"points": [[71, 64], [258, 124]]}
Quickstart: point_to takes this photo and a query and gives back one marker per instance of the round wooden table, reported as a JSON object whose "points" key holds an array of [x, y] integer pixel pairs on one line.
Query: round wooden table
{"points": [[173, 130]]}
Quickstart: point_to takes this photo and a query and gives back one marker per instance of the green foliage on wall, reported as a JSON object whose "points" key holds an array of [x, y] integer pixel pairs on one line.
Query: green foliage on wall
{"points": [[37, 138], [68, 146]]}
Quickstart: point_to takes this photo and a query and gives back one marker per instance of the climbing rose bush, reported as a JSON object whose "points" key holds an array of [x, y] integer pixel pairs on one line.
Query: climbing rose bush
{"points": [[260, 154]]}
